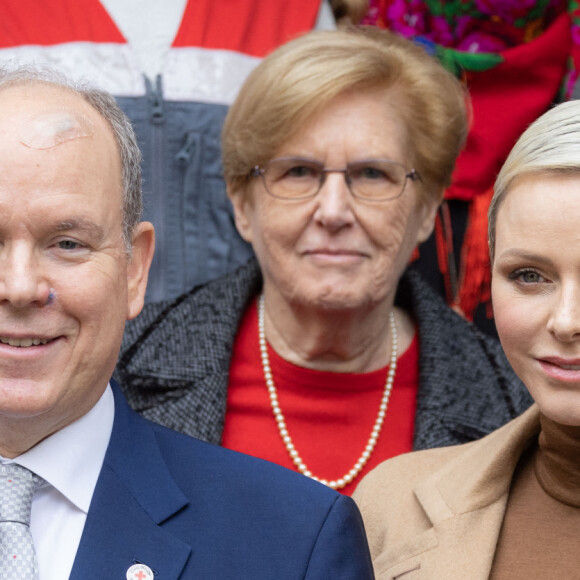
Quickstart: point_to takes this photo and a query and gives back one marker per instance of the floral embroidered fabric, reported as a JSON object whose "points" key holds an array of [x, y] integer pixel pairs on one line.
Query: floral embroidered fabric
{"points": [[470, 35]]}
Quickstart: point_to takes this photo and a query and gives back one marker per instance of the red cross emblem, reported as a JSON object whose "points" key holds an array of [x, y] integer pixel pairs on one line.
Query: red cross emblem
{"points": [[139, 572]]}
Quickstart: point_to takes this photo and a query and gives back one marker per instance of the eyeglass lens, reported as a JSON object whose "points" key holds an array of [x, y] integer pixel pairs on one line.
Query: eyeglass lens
{"points": [[295, 178]]}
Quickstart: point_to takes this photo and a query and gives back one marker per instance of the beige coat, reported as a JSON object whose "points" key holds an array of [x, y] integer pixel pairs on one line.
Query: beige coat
{"points": [[437, 514]]}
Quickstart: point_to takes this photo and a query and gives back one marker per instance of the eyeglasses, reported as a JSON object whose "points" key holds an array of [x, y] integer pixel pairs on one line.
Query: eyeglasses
{"points": [[298, 178]]}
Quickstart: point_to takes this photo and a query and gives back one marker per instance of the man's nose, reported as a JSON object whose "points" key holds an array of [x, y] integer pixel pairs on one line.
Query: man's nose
{"points": [[23, 282]]}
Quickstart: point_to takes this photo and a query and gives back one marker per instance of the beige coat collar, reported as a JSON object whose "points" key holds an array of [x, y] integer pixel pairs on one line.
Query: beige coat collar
{"points": [[464, 502]]}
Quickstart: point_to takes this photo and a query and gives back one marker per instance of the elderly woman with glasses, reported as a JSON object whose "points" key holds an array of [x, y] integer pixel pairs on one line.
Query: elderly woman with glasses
{"points": [[323, 354]]}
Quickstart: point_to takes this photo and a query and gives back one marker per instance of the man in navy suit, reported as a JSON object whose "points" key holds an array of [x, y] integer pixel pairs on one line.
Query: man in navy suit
{"points": [[119, 496]]}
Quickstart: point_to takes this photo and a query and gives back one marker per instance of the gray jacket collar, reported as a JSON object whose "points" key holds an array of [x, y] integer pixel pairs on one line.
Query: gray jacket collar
{"points": [[176, 356]]}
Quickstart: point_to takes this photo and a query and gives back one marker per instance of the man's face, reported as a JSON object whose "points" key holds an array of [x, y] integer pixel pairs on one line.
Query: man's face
{"points": [[66, 285]]}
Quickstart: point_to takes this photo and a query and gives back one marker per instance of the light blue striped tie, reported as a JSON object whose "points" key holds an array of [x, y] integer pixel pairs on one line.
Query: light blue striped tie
{"points": [[17, 555]]}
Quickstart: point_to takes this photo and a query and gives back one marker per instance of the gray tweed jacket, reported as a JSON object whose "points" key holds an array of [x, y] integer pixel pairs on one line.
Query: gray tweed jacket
{"points": [[175, 358]]}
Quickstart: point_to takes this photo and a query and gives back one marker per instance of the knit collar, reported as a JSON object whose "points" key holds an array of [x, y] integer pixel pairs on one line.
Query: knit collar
{"points": [[557, 463]]}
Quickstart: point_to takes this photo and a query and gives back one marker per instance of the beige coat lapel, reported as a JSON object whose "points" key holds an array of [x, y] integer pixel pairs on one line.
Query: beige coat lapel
{"points": [[457, 546], [444, 524]]}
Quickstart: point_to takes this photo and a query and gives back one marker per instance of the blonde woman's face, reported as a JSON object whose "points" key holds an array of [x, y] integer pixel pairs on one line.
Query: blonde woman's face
{"points": [[536, 289], [334, 251]]}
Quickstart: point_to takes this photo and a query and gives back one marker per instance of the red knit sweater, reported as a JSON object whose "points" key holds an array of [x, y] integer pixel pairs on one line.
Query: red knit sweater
{"points": [[329, 415]]}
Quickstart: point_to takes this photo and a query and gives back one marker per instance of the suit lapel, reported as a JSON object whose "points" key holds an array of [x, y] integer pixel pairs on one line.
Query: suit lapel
{"points": [[461, 546], [135, 493], [465, 503]]}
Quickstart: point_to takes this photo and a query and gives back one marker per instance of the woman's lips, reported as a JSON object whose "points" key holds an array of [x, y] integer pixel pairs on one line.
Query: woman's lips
{"points": [[335, 255], [561, 368]]}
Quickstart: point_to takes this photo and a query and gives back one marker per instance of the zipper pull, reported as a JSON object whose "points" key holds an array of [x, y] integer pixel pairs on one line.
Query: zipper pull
{"points": [[155, 97], [184, 154]]}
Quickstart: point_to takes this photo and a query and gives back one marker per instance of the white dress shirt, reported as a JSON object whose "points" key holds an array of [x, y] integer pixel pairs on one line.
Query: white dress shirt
{"points": [[70, 461]]}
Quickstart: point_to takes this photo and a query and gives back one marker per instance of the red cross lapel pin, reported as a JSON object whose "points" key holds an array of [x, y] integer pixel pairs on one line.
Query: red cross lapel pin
{"points": [[139, 572]]}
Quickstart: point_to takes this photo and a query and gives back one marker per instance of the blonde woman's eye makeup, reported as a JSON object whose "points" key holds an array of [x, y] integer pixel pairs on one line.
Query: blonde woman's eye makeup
{"points": [[526, 276]]}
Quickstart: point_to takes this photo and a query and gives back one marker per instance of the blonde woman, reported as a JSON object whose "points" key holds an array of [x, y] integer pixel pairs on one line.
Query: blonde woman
{"points": [[506, 506]]}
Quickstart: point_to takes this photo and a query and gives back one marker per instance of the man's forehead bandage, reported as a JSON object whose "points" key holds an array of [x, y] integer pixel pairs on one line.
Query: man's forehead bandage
{"points": [[54, 127]]}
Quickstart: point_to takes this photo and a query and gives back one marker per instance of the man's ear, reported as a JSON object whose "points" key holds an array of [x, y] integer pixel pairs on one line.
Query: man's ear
{"points": [[138, 267], [241, 201]]}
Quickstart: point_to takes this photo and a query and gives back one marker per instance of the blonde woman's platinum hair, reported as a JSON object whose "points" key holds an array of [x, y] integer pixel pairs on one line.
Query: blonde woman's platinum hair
{"points": [[299, 79], [551, 144]]}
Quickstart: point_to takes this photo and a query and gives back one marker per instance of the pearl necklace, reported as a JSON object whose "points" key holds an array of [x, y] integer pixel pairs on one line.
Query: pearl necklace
{"points": [[281, 422]]}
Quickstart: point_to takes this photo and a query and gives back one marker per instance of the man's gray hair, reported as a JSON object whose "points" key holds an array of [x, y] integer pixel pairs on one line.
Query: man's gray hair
{"points": [[106, 105]]}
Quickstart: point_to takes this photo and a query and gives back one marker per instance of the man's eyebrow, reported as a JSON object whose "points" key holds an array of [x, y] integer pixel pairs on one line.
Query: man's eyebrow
{"points": [[82, 224]]}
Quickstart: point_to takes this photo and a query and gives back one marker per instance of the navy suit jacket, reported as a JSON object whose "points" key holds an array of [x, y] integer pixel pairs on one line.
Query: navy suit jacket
{"points": [[189, 509]]}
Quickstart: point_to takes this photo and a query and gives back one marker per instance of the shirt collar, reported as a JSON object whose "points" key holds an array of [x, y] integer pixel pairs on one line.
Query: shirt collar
{"points": [[71, 459]]}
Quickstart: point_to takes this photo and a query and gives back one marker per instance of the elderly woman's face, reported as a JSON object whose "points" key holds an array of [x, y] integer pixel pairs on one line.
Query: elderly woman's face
{"points": [[334, 251], [536, 289]]}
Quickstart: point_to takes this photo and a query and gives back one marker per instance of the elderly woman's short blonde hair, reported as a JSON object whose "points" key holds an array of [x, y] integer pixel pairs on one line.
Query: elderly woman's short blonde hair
{"points": [[302, 77], [551, 144]]}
